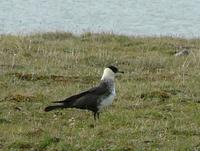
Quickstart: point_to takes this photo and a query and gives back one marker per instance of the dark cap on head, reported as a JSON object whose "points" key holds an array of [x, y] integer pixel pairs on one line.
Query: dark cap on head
{"points": [[113, 68]]}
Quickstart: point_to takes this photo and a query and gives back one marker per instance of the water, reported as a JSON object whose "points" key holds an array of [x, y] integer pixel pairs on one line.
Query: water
{"points": [[130, 17]]}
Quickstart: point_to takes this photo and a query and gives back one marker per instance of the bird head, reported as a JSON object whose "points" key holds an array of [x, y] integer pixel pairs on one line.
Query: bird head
{"points": [[110, 72]]}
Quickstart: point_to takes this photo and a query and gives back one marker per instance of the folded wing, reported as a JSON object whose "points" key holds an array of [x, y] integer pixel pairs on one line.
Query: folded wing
{"points": [[85, 100]]}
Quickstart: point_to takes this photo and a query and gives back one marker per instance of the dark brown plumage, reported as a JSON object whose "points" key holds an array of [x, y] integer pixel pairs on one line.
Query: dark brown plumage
{"points": [[93, 99], [88, 100]]}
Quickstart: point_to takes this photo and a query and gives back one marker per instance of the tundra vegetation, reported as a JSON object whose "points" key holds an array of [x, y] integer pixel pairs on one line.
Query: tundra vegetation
{"points": [[157, 106]]}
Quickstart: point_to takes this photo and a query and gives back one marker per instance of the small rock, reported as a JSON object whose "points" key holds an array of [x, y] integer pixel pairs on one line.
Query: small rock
{"points": [[18, 108], [183, 52]]}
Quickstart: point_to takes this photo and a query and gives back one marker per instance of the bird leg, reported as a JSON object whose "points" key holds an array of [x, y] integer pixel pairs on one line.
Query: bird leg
{"points": [[96, 115]]}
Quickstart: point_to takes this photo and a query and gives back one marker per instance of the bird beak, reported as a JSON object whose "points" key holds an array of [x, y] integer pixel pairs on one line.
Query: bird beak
{"points": [[121, 72]]}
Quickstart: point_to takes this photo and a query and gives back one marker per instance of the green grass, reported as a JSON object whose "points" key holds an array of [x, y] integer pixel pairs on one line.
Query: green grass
{"points": [[158, 98]]}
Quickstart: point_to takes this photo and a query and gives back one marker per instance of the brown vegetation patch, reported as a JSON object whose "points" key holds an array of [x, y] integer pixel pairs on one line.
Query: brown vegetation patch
{"points": [[21, 145], [35, 133], [20, 98], [185, 132], [163, 95], [156, 77], [3, 66], [136, 106], [65, 79]]}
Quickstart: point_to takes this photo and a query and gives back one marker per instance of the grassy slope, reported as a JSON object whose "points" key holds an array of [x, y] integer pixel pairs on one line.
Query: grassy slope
{"points": [[157, 104]]}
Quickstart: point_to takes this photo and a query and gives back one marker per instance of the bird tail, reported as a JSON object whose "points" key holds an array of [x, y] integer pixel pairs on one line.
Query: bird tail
{"points": [[59, 101], [63, 104], [53, 107]]}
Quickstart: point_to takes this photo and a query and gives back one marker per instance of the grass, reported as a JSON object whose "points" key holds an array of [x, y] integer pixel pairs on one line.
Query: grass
{"points": [[156, 108]]}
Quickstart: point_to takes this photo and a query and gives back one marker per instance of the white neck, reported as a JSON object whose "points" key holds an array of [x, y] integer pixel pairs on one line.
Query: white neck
{"points": [[108, 74]]}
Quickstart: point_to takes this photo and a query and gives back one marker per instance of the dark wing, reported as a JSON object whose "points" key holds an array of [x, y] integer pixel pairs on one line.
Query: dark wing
{"points": [[87, 99]]}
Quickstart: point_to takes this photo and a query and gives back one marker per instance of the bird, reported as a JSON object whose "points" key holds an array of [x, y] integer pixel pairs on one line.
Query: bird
{"points": [[94, 99]]}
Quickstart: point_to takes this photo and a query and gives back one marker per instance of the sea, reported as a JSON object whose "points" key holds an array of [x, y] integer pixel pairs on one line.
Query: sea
{"points": [[180, 18]]}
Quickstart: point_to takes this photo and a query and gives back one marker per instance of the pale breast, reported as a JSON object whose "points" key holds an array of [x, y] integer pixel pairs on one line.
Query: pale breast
{"points": [[107, 101]]}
